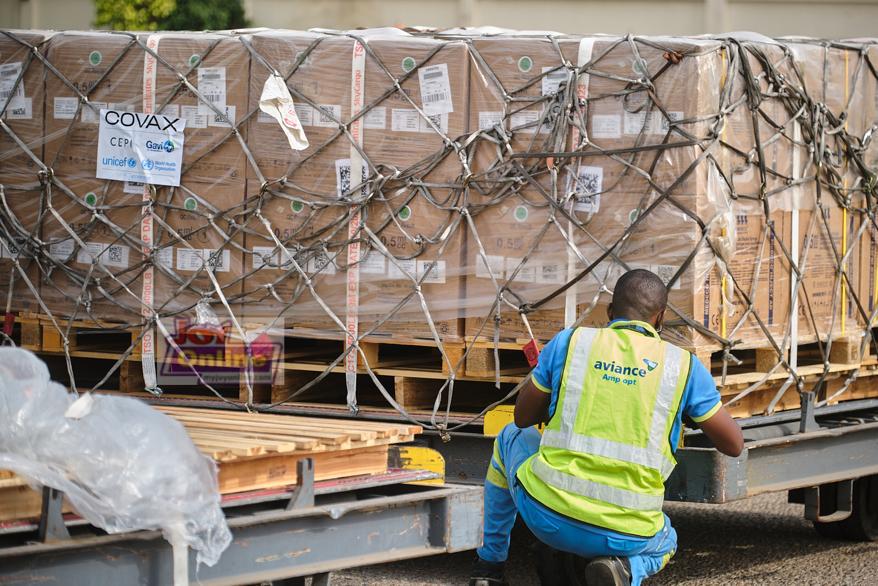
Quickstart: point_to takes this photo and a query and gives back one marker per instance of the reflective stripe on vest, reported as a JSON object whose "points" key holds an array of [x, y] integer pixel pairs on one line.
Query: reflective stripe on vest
{"points": [[651, 456]]}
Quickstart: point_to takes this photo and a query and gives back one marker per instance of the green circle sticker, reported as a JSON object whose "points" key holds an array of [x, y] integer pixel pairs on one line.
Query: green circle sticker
{"points": [[405, 213], [640, 67], [525, 64], [95, 57], [90, 198], [408, 64], [190, 204], [521, 213], [194, 60], [633, 215], [297, 207]]}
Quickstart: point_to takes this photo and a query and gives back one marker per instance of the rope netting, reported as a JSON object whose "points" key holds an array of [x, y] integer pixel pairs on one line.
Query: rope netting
{"points": [[463, 188]]}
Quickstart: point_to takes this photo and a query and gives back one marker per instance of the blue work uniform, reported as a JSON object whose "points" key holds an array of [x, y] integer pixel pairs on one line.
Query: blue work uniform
{"points": [[505, 497]]}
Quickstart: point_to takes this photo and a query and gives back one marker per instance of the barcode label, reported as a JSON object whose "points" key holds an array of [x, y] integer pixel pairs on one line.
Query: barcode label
{"points": [[407, 120], [436, 271], [326, 116], [9, 73], [402, 269], [193, 118], [321, 263], [527, 122], [108, 255], [194, 260], [490, 120], [61, 250], [376, 118], [212, 88], [496, 266], [552, 80], [165, 257], [636, 122], [526, 274], [549, 273], [65, 108], [23, 112], [435, 89], [373, 264], [218, 120], [343, 178], [588, 184], [91, 112]]}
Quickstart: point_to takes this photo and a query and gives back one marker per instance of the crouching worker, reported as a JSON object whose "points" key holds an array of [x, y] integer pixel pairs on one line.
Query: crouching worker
{"points": [[593, 483]]}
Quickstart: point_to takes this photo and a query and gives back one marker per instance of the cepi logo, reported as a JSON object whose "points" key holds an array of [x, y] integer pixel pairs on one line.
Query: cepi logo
{"points": [[168, 146]]}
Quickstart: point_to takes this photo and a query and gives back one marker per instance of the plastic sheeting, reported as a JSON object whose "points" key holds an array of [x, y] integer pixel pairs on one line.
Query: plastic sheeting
{"points": [[123, 465]]}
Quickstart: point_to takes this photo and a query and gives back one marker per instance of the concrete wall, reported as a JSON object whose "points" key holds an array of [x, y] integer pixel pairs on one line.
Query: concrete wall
{"points": [[47, 14]]}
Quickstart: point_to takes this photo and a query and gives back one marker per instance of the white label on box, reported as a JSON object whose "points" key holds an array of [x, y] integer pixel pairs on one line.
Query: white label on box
{"points": [[305, 113], [553, 79], [634, 122], [165, 257], [660, 124], [526, 122], [606, 126], [9, 73], [526, 274], [212, 87], [404, 120], [496, 263], [587, 190], [490, 120], [61, 250], [666, 273], [109, 255], [436, 268], [91, 116], [326, 116], [435, 89], [549, 273], [133, 187], [65, 108], [170, 110], [140, 147], [193, 118], [193, 260], [320, 263], [219, 121], [396, 267], [376, 118], [263, 257], [9, 250], [343, 178], [23, 112], [373, 264], [440, 120]]}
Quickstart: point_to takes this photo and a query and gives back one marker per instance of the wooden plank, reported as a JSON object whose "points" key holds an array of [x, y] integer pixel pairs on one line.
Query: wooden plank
{"points": [[412, 393]]}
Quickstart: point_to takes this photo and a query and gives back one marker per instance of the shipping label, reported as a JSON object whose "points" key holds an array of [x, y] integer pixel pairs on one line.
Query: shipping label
{"points": [[212, 87], [65, 108], [108, 255], [435, 89]]}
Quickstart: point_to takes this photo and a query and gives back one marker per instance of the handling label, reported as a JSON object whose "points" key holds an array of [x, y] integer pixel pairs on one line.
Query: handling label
{"points": [[144, 148]]}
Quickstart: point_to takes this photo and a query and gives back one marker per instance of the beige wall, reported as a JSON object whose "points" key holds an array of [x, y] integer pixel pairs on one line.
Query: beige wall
{"points": [[822, 18], [47, 14]]}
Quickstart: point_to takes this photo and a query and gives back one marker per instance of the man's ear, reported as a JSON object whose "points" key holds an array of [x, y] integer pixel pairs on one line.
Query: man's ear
{"points": [[659, 320], [610, 311]]}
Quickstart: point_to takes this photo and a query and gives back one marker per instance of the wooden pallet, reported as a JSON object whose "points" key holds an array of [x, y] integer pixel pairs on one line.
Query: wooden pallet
{"points": [[259, 451]]}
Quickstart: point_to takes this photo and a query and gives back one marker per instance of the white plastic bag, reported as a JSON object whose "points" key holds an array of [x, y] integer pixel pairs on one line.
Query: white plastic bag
{"points": [[123, 465]]}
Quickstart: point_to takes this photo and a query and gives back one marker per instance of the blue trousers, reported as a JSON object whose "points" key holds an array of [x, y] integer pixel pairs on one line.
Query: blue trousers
{"points": [[505, 498]]}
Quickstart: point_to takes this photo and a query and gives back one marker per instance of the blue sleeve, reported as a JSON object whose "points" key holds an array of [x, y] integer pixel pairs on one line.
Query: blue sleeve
{"points": [[550, 366], [702, 400]]}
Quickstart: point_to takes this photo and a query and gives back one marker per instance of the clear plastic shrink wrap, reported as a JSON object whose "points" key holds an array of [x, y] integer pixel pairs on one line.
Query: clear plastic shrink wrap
{"points": [[122, 465]]}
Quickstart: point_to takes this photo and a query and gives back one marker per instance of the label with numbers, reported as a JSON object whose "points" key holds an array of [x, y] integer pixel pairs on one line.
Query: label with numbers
{"points": [[212, 87], [435, 89]]}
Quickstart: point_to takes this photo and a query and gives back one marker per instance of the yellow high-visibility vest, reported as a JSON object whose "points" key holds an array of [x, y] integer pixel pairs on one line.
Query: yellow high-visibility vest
{"points": [[605, 453]]}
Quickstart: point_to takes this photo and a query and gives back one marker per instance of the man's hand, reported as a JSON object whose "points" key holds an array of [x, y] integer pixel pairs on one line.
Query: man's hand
{"points": [[531, 406], [723, 431]]}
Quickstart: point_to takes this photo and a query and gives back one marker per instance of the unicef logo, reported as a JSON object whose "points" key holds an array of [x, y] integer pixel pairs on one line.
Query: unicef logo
{"points": [[148, 164], [168, 146], [132, 163]]}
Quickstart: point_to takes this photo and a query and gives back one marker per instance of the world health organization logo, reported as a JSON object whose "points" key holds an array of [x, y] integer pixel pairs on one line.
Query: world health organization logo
{"points": [[148, 164]]}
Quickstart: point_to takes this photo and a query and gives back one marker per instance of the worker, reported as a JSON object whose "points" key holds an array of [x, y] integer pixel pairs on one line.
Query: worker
{"points": [[593, 483]]}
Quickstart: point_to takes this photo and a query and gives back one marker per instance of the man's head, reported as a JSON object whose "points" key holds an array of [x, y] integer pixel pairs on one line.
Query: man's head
{"points": [[639, 295]]}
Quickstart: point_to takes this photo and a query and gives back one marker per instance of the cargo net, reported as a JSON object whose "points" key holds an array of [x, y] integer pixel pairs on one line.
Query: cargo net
{"points": [[460, 192]]}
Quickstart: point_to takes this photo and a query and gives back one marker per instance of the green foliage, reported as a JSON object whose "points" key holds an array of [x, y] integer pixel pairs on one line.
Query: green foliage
{"points": [[153, 15]]}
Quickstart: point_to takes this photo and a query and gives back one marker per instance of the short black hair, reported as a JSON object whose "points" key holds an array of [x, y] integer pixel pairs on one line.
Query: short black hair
{"points": [[639, 294]]}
